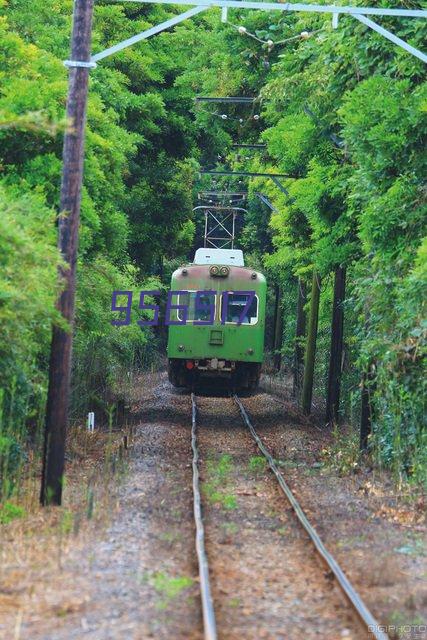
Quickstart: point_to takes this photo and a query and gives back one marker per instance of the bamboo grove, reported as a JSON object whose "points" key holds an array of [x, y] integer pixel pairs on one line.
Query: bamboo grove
{"points": [[341, 112]]}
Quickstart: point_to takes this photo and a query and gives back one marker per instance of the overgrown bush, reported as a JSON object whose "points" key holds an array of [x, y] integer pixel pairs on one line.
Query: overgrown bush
{"points": [[105, 355], [11, 460]]}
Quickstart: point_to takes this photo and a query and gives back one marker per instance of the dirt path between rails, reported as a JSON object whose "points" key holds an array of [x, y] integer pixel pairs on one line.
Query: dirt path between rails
{"points": [[136, 578], [267, 582]]}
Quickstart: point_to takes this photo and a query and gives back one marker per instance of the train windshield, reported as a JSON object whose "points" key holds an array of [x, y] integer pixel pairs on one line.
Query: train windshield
{"points": [[237, 302], [204, 310]]}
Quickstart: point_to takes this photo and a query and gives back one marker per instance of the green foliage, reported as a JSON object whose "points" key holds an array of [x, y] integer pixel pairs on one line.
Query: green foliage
{"points": [[10, 511], [136, 198], [11, 459], [215, 489], [345, 115], [170, 588], [343, 455], [353, 138], [342, 114], [28, 268], [105, 353], [257, 464], [291, 142]]}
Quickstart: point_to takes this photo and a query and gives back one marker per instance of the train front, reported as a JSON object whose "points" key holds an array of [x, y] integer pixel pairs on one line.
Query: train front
{"points": [[216, 320]]}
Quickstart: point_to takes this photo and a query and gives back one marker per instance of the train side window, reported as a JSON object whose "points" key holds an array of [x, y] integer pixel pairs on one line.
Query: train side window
{"points": [[236, 305], [202, 313]]}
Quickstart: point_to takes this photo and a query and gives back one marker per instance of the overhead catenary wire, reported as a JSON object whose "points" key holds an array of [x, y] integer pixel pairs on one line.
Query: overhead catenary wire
{"points": [[225, 116], [304, 35]]}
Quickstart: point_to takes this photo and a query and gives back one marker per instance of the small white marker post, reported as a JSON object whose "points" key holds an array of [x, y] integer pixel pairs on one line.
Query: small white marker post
{"points": [[91, 421]]}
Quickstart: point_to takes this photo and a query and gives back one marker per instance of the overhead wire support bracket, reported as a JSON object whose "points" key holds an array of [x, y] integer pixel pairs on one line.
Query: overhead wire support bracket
{"points": [[358, 13], [222, 196], [226, 99], [390, 36], [249, 174], [248, 146], [229, 194], [266, 201], [150, 32], [280, 185], [293, 6], [72, 64]]}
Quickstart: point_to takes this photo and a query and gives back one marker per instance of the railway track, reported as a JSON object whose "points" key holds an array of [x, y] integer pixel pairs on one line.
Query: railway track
{"points": [[368, 624]]}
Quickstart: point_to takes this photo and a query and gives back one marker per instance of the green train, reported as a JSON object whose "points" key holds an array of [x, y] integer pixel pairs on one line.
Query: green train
{"points": [[223, 305]]}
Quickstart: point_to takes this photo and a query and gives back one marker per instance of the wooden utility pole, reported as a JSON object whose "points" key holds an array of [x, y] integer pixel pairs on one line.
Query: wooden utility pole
{"points": [[310, 349], [337, 341], [68, 235], [278, 329], [301, 322]]}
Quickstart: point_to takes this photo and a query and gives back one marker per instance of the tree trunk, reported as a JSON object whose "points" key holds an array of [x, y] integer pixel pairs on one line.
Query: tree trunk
{"points": [[301, 322], [335, 358], [278, 329], [68, 235], [310, 350]]}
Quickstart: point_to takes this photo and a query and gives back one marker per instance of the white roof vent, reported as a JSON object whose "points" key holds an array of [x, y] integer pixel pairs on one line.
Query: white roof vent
{"points": [[230, 257]]}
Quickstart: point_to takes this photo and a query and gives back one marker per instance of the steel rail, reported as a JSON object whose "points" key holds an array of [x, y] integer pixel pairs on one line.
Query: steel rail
{"points": [[363, 613], [209, 623]]}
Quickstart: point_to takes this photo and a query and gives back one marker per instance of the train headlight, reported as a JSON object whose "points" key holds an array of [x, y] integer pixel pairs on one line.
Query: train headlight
{"points": [[222, 272]]}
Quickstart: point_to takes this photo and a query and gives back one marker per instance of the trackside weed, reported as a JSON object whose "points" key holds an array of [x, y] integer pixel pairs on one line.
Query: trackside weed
{"points": [[169, 587], [215, 488]]}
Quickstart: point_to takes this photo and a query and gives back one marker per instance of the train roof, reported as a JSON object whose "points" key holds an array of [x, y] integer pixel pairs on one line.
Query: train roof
{"points": [[229, 257]]}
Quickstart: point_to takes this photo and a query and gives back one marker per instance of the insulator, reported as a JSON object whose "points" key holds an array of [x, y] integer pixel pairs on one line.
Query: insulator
{"points": [[242, 30], [256, 117], [270, 44], [304, 35], [224, 116]]}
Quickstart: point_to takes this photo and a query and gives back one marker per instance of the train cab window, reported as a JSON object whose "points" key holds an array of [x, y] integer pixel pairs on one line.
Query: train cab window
{"points": [[236, 306], [203, 312]]}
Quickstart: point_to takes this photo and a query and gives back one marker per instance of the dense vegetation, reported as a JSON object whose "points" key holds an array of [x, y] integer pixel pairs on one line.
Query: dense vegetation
{"points": [[343, 113]]}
